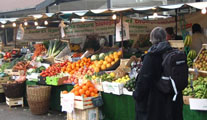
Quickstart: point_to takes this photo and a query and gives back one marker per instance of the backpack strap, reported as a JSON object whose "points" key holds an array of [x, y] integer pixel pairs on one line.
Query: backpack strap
{"points": [[173, 85]]}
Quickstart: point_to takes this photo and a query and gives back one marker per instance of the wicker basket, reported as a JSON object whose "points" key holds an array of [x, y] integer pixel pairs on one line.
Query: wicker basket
{"points": [[38, 99], [14, 90], [38, 108]]}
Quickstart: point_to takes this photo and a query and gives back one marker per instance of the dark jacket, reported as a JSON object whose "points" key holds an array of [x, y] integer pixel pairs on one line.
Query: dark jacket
{"points": [[152, 104]]}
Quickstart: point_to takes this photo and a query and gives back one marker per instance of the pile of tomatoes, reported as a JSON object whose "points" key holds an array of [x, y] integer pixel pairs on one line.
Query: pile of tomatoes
{"points": [[53, 70]]}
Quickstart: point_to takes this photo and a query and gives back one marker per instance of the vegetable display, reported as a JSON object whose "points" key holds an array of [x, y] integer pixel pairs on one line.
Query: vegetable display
{"points": [[15, 61], [39, 50], [130, 85], [53, 70], [7, 55], [23, 65], [55, 47], [77, 55], [5, 66]]}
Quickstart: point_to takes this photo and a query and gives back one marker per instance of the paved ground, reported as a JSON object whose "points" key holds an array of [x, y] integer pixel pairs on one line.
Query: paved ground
{"points": [[19, 113]]}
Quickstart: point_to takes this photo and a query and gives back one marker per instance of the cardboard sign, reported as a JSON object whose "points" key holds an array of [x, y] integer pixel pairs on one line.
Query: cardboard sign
{"points": [[198, 104], [35, 35], [67, 102], [119, 31]]}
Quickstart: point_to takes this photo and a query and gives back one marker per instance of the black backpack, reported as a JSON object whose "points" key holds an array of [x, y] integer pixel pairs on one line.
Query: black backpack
{"points": [[174, 78]]}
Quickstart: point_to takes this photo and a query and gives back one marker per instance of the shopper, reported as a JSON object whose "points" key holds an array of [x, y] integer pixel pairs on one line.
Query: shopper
{"points": [[151, 103], [198, 38], [170, 33]]}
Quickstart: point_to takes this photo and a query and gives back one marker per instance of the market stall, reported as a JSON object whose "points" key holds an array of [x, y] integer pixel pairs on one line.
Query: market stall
{"points": [[77, 79]]}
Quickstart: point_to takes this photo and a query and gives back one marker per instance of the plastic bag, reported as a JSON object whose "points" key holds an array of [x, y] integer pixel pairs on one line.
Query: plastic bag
{"points": [[66, 52], [20, 33], [98, 101]]}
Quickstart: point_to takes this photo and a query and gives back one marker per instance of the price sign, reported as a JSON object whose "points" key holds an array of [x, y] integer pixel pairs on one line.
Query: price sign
{"points": [[67, 102]]}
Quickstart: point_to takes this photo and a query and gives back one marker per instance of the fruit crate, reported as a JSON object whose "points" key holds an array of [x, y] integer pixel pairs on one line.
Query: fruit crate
{"points": [[56, 81], [126, 92], [80, 102], [195, 77], [88, 114], [14, 73], [204, 46], [15, 102], [114, 88], [198, 104]]}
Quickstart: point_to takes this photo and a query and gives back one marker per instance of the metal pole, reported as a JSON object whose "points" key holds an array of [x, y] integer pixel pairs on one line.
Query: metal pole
{"points": [[47, 9], [176, 22], [6, 37], [109, 5], [122, 31], [114, 40], [15, 35]]}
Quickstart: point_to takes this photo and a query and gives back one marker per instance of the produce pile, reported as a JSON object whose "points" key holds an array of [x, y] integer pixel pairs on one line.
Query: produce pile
{"points": [[104, 61], [23, 65], [87, 90], [71, 80], [199, 86], [10, 65], [188, 40], [9, 55], [53, 70], [109, 77], [39, 50], [130, 85], [74, 67], [77, 55], [35, 70], [190, 57], [201, 61], [55, 47]]}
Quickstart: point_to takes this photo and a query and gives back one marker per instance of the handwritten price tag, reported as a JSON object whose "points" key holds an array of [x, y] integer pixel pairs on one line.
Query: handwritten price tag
{"points": [[67, 102]]}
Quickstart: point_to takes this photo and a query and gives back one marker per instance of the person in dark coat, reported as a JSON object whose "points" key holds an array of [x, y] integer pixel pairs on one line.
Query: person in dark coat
{"points": [[152, 104]]}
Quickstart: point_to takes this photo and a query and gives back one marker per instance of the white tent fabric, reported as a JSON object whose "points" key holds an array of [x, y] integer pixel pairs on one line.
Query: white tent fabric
{"points": [[198, 5], [109, 12]]}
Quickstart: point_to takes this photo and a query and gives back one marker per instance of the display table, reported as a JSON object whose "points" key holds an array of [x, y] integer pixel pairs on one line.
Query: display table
{"points": [[117, 107]]}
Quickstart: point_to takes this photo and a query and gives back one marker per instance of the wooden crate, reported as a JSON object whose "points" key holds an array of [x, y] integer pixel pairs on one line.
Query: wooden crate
{"points": [[200, 73], [15, 102], [177, 44], [14, 73], [204, 46], [83, 103], [80, 102], [88, 114]]}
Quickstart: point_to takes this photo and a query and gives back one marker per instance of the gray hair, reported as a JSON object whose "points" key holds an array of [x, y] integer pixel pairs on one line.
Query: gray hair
{"points": [[157, 35]]}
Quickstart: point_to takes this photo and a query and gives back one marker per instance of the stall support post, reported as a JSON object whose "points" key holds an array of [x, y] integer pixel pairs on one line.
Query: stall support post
{"points": [[47, 9], [114, 39], [15, 37], [176, 22], [122, 31]]}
